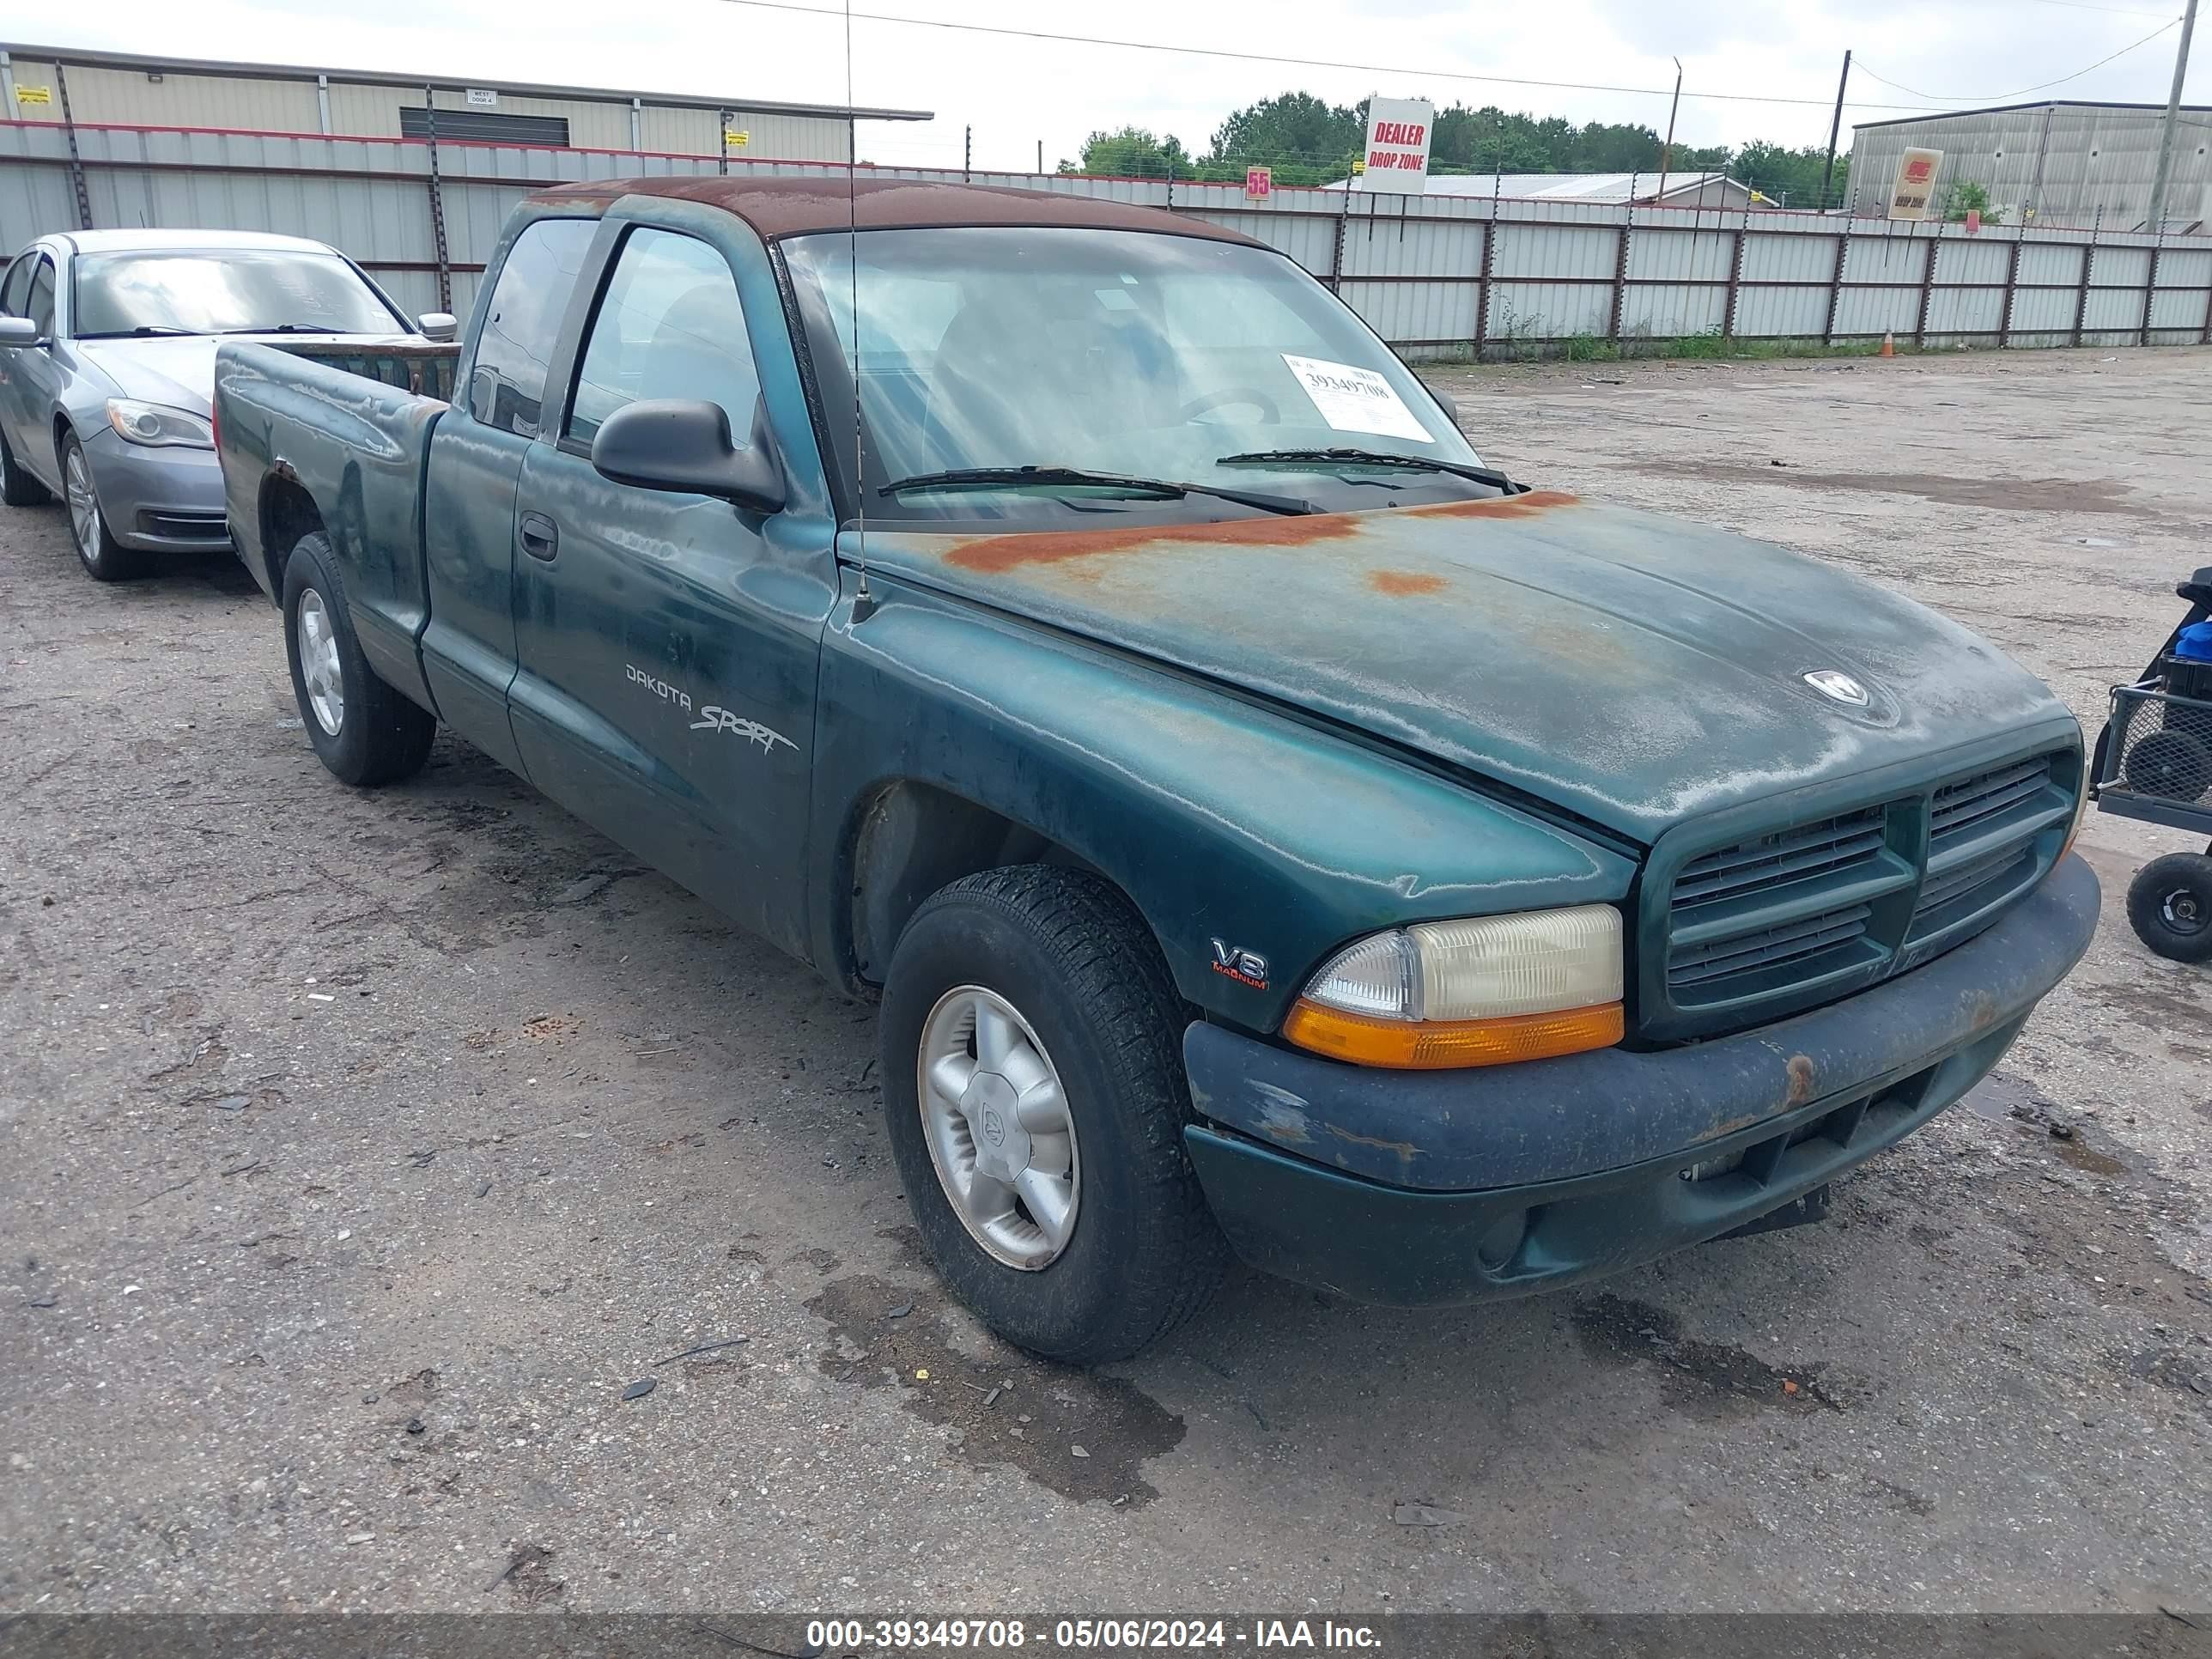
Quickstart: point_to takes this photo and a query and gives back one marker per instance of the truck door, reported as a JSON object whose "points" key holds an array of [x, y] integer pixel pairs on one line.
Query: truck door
{"points": [[468, 491], [667, 645]]}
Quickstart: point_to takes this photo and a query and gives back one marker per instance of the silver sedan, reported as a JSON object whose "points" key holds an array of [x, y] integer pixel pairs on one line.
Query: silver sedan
{"points": [[107, 343]]}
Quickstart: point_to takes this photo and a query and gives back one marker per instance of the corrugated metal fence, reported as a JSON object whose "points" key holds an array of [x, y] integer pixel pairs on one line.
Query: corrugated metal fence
{"points": [[1437, 275]]}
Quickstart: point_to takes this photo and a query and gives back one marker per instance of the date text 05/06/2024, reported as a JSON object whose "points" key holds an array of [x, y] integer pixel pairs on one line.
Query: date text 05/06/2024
{"points": [[1130, 1634]]}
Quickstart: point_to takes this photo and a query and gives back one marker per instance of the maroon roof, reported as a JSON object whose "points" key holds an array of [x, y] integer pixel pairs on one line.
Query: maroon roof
{"points": [[792, 207]]}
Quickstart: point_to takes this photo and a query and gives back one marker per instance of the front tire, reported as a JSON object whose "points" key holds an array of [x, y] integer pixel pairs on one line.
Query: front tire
{"points": [[364, 731], [17, 487], [104, 558], [1034, 1089], [2170, 906]]}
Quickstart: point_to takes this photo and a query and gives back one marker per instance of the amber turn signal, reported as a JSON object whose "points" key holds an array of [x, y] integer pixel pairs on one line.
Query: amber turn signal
{"points": [[1437, 1045]]}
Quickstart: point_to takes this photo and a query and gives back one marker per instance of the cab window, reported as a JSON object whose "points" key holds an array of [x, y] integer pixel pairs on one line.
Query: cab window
{"points": [[507, 383], [670, 325]]}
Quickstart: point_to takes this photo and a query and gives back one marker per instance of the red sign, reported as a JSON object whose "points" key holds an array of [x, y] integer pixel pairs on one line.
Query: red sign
{"points": [[1259, 182]]}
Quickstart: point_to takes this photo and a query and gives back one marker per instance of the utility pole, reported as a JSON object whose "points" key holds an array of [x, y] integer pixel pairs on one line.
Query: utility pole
{"points": [[966, 152], [1667, 153], [1040, 156], [2173, 110], [1835, 129]]}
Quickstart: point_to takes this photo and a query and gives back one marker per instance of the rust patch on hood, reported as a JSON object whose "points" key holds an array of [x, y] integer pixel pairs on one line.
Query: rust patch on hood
{"points": [[1405, 584], [1525, 506], [996, 555]]}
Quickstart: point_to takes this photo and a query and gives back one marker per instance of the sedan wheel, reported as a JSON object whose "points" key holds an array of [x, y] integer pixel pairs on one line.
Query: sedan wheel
{"points": [[104, 558], [83, 505]]}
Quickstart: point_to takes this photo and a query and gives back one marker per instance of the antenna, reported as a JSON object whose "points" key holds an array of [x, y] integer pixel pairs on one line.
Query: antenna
{"points": [[864, 602]]}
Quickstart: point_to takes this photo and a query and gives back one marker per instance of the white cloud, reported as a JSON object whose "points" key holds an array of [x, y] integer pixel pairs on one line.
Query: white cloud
{"points": [[1015, 92]]}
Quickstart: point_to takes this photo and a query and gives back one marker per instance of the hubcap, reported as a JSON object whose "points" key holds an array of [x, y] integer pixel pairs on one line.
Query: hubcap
{"points": [[2182, 911], [318, 663], [83, 505], [998, 1126]]}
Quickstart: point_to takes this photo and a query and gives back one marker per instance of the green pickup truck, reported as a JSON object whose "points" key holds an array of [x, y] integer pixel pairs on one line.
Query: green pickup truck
{"points": [[1269, 830]]}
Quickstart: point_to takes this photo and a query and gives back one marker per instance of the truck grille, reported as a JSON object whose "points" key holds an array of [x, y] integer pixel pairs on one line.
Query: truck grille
{"points": [[1756, 928], [1798, 854]]}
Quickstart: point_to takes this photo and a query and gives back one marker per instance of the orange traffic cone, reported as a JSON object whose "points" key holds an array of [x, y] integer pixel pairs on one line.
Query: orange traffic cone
{"points": [[1888, 343]]}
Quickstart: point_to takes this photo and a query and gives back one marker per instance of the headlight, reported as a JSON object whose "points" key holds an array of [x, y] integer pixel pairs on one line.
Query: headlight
{"points": [[1477, 992], [157, 424]]}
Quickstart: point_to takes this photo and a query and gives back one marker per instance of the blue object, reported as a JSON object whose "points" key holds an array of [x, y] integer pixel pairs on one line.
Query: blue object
{"points": [[2194, 642]]}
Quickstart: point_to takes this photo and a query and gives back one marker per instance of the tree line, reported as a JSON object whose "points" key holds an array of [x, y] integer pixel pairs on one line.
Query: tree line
{"points": [[1308, 141]]}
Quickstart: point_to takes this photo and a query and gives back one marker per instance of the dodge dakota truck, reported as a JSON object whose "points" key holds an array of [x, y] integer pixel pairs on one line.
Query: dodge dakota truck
{"points": [[1269, 829]]}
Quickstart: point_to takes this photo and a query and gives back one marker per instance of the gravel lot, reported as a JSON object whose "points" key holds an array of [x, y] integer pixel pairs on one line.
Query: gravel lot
{"points": [[361, 1150]]}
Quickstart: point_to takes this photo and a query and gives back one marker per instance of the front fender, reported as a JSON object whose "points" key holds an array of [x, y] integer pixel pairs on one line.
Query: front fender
{"points": [[1222, 819]]}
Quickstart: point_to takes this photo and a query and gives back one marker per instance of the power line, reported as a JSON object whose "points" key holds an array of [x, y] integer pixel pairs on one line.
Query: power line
{"points": [[1299, 62], [2112, 11], [2003, 97]]}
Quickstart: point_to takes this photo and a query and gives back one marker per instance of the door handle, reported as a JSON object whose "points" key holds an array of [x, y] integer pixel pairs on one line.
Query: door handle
{"points": [[541, 537]]}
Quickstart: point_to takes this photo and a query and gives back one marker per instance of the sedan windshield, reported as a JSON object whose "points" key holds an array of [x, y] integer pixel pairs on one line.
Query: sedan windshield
{"points": [[1132, 355], [232, 292]]}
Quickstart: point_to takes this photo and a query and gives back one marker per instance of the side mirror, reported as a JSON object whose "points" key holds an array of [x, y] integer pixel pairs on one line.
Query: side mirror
{"points": [[440, 325], [683, 445], [19, 332], [1450, 404]]}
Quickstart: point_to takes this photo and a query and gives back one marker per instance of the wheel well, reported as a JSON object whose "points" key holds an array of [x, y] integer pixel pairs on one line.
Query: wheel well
{"points": [[61, 430], [910, 840], [287, 514]]}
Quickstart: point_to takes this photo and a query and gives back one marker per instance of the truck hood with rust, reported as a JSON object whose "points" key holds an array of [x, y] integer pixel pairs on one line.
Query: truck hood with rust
{"points": [[1632, 668]]}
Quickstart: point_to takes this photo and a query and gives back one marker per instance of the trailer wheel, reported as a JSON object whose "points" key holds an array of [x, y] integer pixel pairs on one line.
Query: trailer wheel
{"points": [[2170, 905]]}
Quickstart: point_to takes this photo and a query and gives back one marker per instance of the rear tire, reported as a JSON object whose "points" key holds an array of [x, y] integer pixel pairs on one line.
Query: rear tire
{"points": [[1081, 975], [2170, 906], [17, 487], [366, 733], [104, 558]]}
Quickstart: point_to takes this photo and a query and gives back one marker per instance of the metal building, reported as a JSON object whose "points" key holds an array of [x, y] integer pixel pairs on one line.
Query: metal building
{"points": [[2056, 163], [121, 89]]}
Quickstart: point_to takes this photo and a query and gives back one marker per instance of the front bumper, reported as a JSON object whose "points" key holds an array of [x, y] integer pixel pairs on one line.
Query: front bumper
{"points": [[165, 499], [1430, 1187]]}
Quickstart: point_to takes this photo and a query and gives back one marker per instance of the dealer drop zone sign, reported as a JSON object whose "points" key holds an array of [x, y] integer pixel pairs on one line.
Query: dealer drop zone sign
{"points": [[1396, 159]]}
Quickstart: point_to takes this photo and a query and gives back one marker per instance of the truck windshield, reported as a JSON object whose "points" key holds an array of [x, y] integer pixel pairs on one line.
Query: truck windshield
{"points": [[1126, 353], [233, 291]]}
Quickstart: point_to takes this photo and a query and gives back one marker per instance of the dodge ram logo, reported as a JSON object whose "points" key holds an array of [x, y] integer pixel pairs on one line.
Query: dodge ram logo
{"points": [[1834, 683]]}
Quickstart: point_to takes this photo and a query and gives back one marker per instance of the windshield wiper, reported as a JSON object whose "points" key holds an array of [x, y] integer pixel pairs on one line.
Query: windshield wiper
{"points": [[143, 330], [1323, 457], [989, 478], [281, 328]]}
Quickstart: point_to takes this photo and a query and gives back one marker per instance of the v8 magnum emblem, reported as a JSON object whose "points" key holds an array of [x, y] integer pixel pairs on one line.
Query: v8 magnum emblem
{"points": [[1245, 967]]}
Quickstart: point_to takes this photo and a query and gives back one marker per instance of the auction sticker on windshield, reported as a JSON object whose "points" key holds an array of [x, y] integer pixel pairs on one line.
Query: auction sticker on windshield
{"points": [[1355, 399]]}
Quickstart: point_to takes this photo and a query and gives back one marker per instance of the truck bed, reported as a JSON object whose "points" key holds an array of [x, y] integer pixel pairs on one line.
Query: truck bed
{"points": [[425, 370], [339, 434]]}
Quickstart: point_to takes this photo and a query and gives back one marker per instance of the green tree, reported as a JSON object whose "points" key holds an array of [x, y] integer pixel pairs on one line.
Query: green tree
{"points": [[1963, 197], [1133, 152], [1305, 139]]}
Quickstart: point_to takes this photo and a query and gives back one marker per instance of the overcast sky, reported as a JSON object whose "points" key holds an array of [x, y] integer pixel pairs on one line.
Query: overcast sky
{"points": [[1015, 92]]}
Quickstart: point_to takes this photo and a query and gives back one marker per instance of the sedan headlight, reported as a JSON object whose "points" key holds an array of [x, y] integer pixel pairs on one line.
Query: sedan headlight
{"points": [[158, 425], [1482, 992]]}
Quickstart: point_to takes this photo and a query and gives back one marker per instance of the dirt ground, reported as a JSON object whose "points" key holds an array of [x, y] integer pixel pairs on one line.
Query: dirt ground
{"points": [[361, 1150]]}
